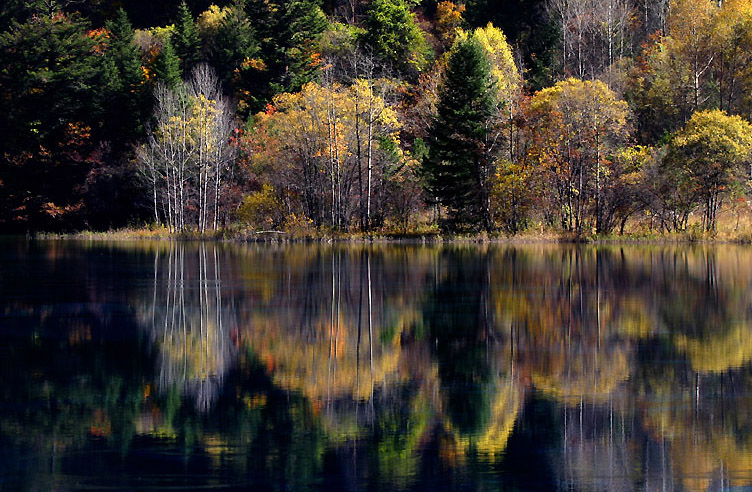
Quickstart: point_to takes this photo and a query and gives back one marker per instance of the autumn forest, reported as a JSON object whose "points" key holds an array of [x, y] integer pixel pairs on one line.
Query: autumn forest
{"points": [[311, 117]]}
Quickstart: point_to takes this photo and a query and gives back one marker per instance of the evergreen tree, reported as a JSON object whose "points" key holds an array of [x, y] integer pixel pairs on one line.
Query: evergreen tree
{"points": [[128, 106], [235, 43], [288, 32], [458, 165], [303, 21], [167, 65], [51, 74], [186, 40], [393, 34]]}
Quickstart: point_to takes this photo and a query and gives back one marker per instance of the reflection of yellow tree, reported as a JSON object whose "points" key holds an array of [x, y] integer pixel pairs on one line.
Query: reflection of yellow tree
{"points": [[720, 351], [571, 334], [187, 321], [341, 354], [584, 375], [491, 442], [706, 444], [331, 365]]}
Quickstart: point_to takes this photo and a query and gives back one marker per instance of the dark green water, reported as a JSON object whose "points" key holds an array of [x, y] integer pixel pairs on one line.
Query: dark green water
{"points": [[163, 366]]}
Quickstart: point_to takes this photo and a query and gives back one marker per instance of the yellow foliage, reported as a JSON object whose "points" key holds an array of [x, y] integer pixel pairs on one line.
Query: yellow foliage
{"points": [[582, 376], [503, 67], [209, 20], [448, 20], [729, 349], [261, 209]]}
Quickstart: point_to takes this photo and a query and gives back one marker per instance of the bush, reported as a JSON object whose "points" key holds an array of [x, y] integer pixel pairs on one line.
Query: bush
{"points": [[261, 209]]}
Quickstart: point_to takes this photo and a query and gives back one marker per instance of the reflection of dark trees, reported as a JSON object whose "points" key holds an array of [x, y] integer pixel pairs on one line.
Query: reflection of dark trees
{"points": [[394, 366], [71, 363], [457, 317]]}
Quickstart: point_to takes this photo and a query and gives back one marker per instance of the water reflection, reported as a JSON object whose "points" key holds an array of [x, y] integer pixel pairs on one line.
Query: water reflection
{"points": [[188, 322], [349, 367]]}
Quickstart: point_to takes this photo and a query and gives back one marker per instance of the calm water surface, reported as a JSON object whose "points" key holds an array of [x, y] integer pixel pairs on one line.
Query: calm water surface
{"points": [[181, 366]]}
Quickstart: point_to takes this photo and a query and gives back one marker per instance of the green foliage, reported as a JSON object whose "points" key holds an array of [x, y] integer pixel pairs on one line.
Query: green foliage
{"points": [[395, 37], [289, 32], [129, 106], [167, 65], [186, 39], [305, 23], [457, 158], [234, 45], [51, 72]]}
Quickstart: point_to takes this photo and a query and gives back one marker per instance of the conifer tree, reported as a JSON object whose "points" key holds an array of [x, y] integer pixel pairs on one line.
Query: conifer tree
{"points": [[128, 106], [394, 35], [186, 40], [235, 43], [304, 21], [167, 65], [457, 169]]}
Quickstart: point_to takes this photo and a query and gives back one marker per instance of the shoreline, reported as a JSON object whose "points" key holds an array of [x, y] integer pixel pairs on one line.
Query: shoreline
{"points": [[281, 237]]}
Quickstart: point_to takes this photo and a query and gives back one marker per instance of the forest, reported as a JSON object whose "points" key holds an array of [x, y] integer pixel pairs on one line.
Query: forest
{"points": [[575, 117]]}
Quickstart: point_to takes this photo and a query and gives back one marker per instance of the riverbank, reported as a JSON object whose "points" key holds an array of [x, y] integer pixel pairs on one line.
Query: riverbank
{"points": [[427, 236]]}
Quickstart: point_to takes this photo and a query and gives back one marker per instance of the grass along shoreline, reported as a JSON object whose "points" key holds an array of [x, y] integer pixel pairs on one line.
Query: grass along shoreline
{"points": [[692, 235]]}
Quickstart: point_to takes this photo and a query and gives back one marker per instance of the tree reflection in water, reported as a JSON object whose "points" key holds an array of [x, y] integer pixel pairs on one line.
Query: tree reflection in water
{"points": [[381, 366], [188, 322]]}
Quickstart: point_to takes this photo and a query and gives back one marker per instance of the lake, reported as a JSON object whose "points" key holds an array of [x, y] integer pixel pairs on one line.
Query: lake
{"points": [[181, 365]]}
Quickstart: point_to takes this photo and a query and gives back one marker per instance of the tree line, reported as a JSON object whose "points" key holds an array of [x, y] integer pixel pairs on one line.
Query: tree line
{"points": [[578, 116]]}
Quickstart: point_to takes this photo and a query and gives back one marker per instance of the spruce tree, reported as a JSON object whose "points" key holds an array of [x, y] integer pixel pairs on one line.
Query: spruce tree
{"points": [[303, 22], [167, 65], [287, 31], [127, 106], [394, 35], [235, 43], [457, 169], [186, 40]]}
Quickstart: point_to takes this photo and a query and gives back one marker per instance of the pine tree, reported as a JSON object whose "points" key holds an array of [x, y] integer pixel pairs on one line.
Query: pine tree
{"points": [[304, 22], [167, 65], [235, 43], [128, 106], [186, 40], [457, 168], [393, 34]]}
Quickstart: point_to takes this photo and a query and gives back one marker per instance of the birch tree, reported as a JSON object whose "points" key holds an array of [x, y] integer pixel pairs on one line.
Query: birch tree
{"points": [[188, 155]]}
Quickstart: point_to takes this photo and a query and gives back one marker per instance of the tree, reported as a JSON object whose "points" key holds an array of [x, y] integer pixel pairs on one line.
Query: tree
{"points": [[574, 130], [128, 107], [305, 147], [594, 35], [394, 36], [507, 84], [167, 65], [458, 166], [674, 76], [691, 41], [187, 157], [234, 45], [289, 32], [303, 22], [51, 72], [448, 20], [512, 196], [732, 26], [186, 39], [707, 154]]}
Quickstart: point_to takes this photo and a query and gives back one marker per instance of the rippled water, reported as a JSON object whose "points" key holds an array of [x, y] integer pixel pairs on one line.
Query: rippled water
{"points": [[157, 365]]}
